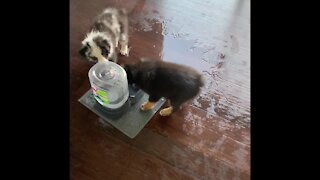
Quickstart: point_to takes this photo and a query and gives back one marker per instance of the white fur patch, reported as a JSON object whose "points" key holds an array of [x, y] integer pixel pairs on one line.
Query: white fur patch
{"points": [[95, 50], [110, 10]]}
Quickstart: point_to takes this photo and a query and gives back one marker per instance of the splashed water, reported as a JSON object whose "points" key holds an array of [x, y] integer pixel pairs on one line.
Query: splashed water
{"points": [[222, 61]]}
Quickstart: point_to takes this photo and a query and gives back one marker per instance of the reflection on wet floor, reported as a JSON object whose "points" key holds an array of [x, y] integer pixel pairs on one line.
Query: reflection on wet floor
{"points": [[227, 74]]}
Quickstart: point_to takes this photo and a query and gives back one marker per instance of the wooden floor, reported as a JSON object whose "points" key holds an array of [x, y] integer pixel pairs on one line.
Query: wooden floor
{"points": [[209, 138]]}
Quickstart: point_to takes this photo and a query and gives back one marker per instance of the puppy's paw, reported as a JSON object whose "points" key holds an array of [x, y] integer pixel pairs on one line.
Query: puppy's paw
{"points": [[147, 106], [166, 111], [124, 50]]}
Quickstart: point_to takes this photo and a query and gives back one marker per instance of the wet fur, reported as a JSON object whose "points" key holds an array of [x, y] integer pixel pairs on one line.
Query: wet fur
{"points": [[175, 82], [107, 37]]}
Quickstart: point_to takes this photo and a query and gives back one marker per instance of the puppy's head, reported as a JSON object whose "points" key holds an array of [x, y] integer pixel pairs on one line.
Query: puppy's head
{"points": [[95, 47], [131, 73]]}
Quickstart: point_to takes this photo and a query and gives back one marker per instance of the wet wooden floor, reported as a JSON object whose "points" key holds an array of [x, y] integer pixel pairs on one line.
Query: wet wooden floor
{"points": [[209, 138]]}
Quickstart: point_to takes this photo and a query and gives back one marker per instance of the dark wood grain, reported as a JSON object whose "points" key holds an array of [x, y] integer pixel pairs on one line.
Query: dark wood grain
{"points": [[209, 137]]}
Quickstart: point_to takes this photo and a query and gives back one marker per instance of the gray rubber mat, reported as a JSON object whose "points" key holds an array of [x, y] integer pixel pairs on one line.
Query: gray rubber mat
{"points": [[130, 120]]}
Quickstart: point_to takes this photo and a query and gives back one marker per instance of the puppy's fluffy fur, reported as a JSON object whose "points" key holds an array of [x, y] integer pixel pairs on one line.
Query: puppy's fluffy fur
{"points": [[108, 36], [175, 82]]}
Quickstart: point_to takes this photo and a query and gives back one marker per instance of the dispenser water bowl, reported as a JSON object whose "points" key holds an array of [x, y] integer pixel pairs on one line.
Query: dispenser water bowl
{"points": [[128, 119]]}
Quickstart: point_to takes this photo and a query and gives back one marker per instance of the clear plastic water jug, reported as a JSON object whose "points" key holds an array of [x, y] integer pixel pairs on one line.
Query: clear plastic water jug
{"points": [[109, 84]]}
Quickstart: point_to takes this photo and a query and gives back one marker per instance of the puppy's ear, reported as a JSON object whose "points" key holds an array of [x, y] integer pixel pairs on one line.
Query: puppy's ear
{"points": [[83, 51]]}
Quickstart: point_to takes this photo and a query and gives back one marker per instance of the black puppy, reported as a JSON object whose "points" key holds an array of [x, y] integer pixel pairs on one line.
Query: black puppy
{"points": [[175, 82]]}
